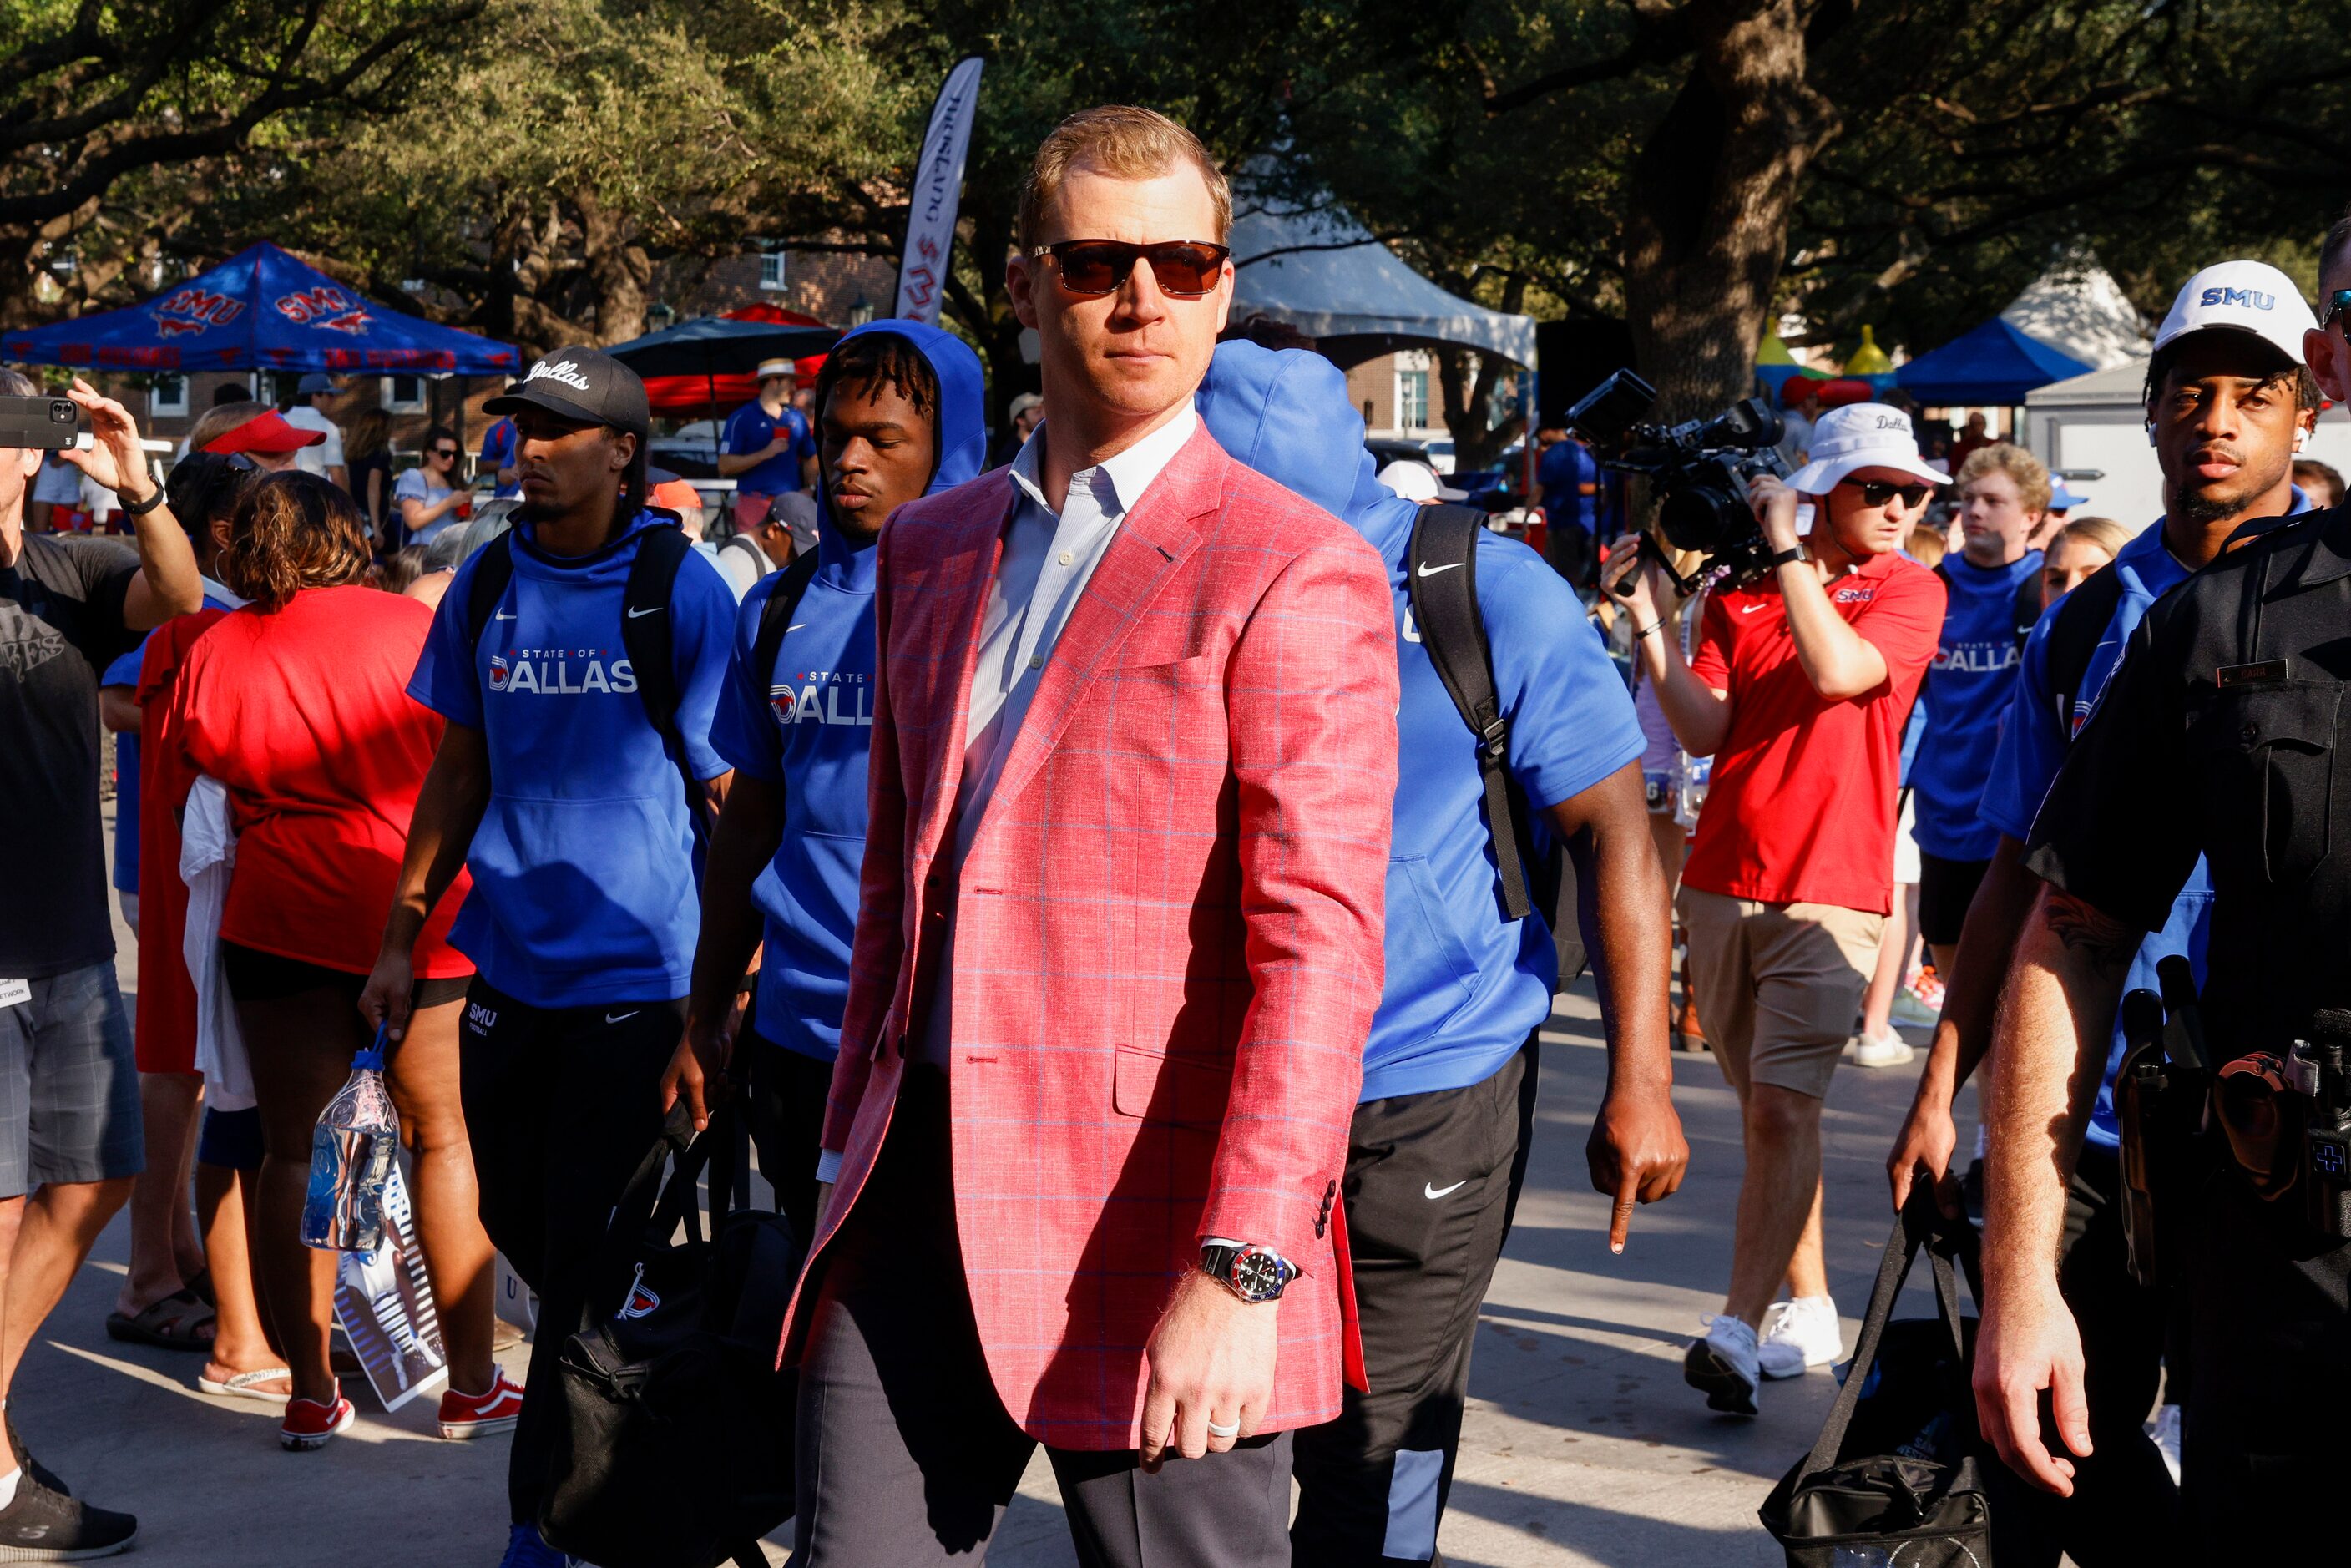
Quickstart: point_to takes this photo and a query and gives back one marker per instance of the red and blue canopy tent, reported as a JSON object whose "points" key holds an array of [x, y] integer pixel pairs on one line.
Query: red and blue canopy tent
{"points": [[262, 310]]}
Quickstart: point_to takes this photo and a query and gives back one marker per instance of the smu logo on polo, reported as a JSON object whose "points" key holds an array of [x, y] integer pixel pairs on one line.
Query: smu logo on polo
{"points": [[1854, 595], [846, 698], [1978, 658], [2238, 299], [558, 672], [564, 371]]}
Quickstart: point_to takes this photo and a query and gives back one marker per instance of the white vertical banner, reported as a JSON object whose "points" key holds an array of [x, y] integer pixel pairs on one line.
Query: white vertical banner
{"points": [[938, 191]]}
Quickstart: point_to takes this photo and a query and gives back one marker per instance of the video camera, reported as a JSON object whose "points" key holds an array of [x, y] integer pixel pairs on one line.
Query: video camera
{"points": [[1702, 470]]}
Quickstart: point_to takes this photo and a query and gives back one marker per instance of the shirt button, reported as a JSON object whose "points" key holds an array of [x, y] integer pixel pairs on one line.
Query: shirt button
{"points": [[1067, 557], [1036, 661]]}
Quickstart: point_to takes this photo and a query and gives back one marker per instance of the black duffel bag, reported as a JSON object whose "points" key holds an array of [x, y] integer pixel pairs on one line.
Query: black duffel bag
{"points": [[1913, 1489], [677, 1449]]}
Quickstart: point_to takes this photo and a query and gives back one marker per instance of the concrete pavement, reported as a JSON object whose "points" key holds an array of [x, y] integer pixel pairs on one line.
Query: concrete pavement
{"points": [[1582, 1445]]}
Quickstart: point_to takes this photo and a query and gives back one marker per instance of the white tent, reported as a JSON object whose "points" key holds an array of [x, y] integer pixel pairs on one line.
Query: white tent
{"points": [[2077, 308], [1321, 271]]}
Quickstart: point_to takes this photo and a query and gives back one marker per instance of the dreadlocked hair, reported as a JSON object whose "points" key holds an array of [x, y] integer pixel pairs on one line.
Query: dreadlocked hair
{"points": [[881, 359]]}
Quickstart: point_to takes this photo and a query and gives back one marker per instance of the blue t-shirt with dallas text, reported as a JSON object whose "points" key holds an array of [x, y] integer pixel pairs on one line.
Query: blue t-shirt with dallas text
{"points": [[1966, 691], [750, 428], [1465, 985], [584, 886]]}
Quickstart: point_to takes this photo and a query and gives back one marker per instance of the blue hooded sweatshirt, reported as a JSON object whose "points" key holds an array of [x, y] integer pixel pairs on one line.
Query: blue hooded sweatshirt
{"points": [[1466, 984], [585, 890], [808, 721]]}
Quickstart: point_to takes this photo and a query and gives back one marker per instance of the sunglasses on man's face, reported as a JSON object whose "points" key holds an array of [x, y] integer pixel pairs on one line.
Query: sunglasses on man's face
{"points": [[1878, 492], [2339, 307], [1182, 268]]}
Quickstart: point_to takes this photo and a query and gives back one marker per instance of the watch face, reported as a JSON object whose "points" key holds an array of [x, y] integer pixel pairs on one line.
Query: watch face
{"points": [[1258, 1274]]}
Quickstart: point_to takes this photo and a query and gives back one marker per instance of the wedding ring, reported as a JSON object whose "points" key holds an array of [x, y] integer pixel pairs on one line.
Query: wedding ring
{"points": [[1232, 1431]]}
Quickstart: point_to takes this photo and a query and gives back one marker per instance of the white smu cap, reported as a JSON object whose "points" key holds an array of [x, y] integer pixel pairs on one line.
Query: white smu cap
{"points": [[2245, 296], [1861, 435]]}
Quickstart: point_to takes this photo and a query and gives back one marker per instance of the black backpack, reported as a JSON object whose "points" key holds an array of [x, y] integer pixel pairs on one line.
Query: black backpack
{"points": [[776, 616], [676, 1446], [649, 638], [2081, 620], [1453, 630]]}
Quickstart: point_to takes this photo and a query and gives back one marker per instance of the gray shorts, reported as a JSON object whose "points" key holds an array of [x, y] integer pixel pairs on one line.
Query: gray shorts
{"points": [[68, 1084]]}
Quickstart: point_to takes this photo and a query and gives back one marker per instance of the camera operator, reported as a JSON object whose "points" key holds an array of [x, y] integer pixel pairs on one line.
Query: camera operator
{"points": [[1799, 690], [2230, 696]]}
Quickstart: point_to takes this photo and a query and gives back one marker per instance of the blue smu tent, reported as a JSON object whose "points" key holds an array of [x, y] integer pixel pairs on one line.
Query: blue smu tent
{"points": [[260, 311], [1992, 364]]}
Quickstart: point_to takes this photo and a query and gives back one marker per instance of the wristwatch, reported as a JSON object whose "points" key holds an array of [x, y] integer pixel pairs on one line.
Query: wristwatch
{"points": [[1251, 1272], [1788, 557]]}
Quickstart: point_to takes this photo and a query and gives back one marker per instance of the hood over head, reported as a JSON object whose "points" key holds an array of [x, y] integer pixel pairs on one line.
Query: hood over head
{"points": [[1286, 413], [962, 417]]}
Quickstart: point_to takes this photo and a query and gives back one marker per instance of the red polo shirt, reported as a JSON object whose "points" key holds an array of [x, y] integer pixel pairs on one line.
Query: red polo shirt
{"points": [[1801, 805]]}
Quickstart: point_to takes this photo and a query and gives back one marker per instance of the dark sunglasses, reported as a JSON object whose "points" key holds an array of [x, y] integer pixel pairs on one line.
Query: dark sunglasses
{"points": [[2338, 305], [444, 451], [1183, 268], [1878, 492]]}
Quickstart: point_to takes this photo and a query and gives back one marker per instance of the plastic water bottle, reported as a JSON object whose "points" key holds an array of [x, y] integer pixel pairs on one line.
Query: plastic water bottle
{"points": [[351, 1160]]}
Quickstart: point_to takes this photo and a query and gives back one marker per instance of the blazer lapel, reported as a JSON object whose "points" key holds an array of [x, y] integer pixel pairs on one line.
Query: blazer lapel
{"points": [[960, 576], [1151, 542]]}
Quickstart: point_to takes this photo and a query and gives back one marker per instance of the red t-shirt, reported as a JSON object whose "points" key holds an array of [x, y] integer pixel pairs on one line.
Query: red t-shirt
{"points": [[1799, 807], [167, 998], [303, 713]]}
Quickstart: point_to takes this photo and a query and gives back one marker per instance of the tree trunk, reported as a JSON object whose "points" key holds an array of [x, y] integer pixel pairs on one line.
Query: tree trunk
{"points": [[1712, 192], [619, 272], [1465, 380]]}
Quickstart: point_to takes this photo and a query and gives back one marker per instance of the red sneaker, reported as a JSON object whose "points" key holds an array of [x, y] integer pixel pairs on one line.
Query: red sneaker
{"points": [[308, 1423], [466, 1416]]}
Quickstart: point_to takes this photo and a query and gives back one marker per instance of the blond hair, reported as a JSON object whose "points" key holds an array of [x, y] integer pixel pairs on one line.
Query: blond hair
{"points": [[1927, 546], [2030, 475], [1122, 141], [2099, 533]]}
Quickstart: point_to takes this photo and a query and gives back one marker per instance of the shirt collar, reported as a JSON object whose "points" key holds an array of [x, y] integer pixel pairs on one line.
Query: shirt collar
{"points": [[1130, 473]]}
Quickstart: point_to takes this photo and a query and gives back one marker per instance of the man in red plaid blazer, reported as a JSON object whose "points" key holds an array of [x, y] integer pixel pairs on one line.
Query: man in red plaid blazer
{"points": [[1119, 943]]}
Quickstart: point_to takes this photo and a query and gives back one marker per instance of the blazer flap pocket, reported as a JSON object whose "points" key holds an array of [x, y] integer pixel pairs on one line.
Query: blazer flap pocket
{"points": [[1189, 667], [1186, 1091]]}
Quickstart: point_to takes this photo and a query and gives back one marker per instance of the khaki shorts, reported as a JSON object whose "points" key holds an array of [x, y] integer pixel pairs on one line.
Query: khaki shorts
{"points": [[1778, 985]]}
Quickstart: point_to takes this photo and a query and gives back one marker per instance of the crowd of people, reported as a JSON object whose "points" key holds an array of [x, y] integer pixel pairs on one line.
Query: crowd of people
{"points": [[1115, 893]]}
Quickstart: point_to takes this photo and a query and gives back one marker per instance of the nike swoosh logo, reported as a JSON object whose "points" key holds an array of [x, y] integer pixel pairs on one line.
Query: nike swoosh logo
{"points": [[1748, 609], [638, 614], [1432, 1193], [502, 615], [623, 1018], [1428, 571]]}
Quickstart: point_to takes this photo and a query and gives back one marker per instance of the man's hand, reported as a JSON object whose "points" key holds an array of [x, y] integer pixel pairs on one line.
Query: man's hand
{"points": [[2029, 1342], [1211, 1359], [1775, 508], [698, 1068], [1924, 1147], [115, 460], [385, 1000], [1637, 1154]]}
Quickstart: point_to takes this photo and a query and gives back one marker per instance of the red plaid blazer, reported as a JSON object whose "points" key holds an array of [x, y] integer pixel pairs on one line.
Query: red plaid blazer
{"points": [[1169, 933]]}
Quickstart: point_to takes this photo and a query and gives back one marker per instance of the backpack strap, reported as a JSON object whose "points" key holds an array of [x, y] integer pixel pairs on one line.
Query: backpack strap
{"points": [[2082, 618], [648, 632], [1441, 577], [492, 571], [776, 618]]}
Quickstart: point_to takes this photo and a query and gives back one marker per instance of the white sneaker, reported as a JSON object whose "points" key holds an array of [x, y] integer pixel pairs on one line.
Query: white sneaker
{"points": [[2165, 1430], [1889, 1050], [1722, 1364], [1798, 1335]]}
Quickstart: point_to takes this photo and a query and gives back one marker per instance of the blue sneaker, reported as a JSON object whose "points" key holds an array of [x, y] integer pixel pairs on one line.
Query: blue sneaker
{"points": [[525, 1550]]}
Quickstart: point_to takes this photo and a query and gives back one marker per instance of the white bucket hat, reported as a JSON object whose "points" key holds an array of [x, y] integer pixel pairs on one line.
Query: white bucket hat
{"points": [[1861, 435]]}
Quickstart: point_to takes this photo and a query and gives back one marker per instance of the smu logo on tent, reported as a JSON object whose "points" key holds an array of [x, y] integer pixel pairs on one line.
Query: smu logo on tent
{"points": [[844, 700], [558, 672], [327, 306], [2238, 299], [194, 311]]}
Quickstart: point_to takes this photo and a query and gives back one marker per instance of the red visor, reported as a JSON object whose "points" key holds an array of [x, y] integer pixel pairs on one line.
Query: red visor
{"points": [[265, 431]]}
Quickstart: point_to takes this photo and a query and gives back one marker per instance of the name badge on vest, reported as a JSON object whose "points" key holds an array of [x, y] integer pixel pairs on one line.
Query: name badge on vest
{"points": [[2263, 673]]}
